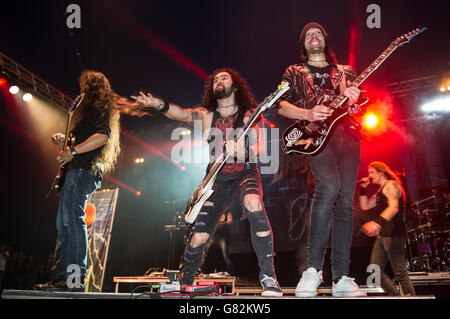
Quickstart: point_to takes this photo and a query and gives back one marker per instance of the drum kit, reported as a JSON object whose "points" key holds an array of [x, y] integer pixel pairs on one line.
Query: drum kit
{"points": [[428, 229]]}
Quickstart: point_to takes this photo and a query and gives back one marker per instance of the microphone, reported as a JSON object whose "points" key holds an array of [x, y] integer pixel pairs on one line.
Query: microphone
{"points": [[363, 180]]}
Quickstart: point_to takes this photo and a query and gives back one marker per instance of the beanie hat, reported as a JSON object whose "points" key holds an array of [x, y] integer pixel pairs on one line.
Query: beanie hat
{"points": [[309, 26]]}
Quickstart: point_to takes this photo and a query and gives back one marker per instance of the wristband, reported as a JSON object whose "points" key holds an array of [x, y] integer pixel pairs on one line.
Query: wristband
{"points": [[163, 107], [73, 151], [362, 191], [380, 220]]}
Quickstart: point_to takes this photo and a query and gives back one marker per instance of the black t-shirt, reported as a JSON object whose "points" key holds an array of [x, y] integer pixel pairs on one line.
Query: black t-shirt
{"points": [[93, 122], [322, 82]]}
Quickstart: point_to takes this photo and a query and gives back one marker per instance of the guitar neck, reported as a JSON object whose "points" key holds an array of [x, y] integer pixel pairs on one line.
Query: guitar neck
{"points": [[66, 137], [221, 160], [374, 65], [365, 74]]}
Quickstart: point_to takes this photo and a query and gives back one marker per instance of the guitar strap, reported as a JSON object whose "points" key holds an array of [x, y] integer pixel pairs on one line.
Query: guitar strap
{"points": [[343, 82], [240, 118]]}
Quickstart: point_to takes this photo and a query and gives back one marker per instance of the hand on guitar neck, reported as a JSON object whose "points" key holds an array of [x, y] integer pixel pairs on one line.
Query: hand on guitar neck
{"points": [[352, 92]]}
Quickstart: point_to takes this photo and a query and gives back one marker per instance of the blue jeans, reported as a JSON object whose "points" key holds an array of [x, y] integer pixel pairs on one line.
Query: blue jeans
{"points": [[72, 229], [335, 171]]}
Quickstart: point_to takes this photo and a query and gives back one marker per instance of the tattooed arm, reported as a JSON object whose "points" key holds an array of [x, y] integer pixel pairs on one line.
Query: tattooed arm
{"points": [[393, 192]]}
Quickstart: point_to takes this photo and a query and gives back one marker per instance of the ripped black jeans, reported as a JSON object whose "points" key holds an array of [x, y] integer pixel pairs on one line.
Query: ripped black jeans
{"points": [[228, 188]]}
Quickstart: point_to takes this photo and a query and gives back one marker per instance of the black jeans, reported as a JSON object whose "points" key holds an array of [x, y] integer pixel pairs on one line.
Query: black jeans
{"points": [[335, 170], [392, 249], [225, 191]]}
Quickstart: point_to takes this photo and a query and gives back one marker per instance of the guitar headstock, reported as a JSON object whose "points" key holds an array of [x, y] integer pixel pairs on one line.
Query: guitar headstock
{"points": [[271, 99], [408, 36], [77, 101]]}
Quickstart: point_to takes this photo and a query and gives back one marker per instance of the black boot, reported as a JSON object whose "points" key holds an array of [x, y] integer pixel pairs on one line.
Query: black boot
{"points": [[60, 285]]}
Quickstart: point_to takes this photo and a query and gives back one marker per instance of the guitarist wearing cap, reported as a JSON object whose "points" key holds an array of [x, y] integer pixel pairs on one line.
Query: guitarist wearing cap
{"points": [[317, 79], [227, 105], [95, 147]]}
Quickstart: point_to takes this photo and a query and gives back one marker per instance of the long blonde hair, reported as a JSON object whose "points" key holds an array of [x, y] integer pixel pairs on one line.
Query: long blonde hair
{"points": [[384, 168], [98, 93]]}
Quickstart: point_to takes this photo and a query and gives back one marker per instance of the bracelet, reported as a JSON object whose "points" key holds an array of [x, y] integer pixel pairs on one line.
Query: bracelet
{"points": [[362, 191], [73, 151], [163, 107], [380, 220]]}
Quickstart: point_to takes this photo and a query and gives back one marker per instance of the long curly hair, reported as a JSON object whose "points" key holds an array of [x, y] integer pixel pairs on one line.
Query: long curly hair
{"points": [[98, 93], [244, 96]]}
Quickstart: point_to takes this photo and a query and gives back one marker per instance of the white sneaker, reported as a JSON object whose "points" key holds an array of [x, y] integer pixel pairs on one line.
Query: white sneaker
{"points": [[346, 287], [308, 284]]}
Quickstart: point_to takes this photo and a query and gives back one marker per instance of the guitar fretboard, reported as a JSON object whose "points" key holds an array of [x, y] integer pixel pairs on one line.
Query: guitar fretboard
{"points": [[337, 102]]}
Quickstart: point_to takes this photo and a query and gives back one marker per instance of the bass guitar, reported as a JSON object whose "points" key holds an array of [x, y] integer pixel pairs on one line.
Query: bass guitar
{"points": [[204, 190], [309, 138]]}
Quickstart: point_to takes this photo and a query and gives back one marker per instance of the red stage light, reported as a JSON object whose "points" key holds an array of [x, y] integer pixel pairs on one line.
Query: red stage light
{"points": [[2, 81], [138, 193], [371, 120]]}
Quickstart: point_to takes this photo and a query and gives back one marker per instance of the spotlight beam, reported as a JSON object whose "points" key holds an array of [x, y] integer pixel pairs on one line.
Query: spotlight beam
{"points": [[156, 41], [149, 147], [53, 148]]}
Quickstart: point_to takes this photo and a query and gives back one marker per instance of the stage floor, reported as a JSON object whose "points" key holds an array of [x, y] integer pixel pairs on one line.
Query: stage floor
{"points": [[31, 294]]}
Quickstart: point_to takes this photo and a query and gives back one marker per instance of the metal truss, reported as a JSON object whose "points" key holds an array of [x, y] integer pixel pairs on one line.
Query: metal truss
{"points": [[18, 75], [427, 83]]}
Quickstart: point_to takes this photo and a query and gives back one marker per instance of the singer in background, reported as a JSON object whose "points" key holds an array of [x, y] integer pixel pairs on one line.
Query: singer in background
{"points": [[388, 226]]}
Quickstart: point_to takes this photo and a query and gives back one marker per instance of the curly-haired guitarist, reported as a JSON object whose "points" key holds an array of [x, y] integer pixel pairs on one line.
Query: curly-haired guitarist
{"points": [[227, 104]]}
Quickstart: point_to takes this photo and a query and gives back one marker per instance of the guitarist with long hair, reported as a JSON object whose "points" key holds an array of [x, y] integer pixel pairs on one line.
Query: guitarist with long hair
{"points": [[95, 145], [227, 105], [315, 80]]}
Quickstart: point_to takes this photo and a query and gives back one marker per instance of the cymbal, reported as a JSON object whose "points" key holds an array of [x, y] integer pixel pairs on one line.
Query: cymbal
{"points": [[433, 190]]}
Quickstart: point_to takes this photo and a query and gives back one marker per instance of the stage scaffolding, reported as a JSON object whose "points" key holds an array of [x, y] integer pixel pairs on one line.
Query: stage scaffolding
{"points": [[26, 80]]}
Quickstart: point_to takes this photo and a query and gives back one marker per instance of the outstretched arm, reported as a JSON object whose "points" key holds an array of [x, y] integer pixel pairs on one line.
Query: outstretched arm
{"points": [[171, 110]]}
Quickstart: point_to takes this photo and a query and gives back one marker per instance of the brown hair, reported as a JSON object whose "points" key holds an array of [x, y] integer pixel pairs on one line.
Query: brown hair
{"points": [[98, 93], [244, 97], [384, 168], [329, 53]]}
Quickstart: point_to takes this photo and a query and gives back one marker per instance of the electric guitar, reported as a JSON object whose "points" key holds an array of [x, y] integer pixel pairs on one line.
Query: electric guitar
{"points": [[309, 138], [60, 177], [204, 190]]}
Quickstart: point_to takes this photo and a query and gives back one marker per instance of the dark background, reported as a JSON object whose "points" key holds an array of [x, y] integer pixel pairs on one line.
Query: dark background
{"points": [[168, 47]]}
